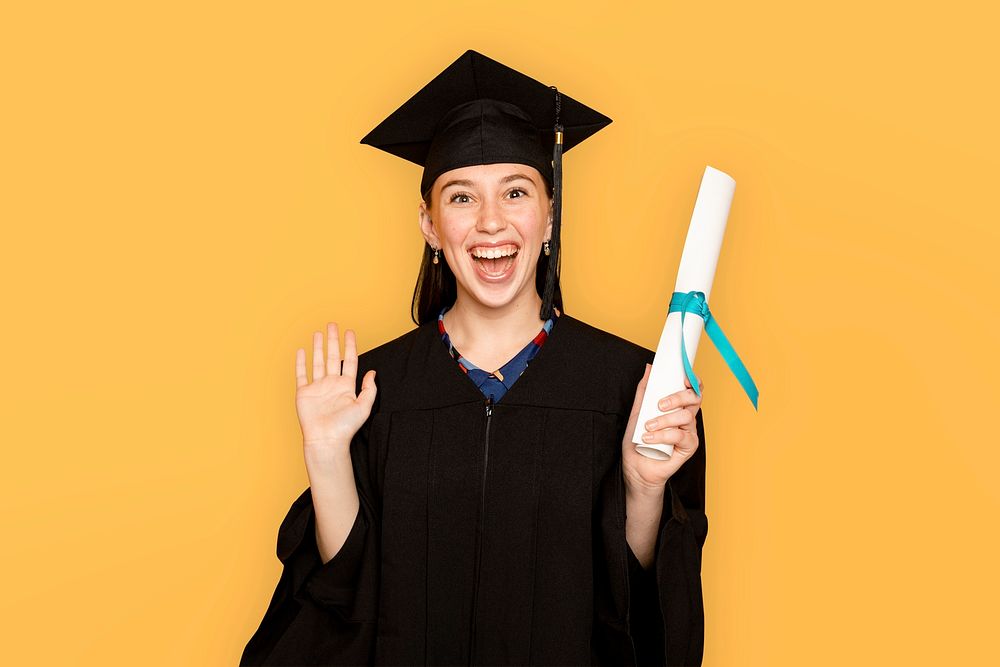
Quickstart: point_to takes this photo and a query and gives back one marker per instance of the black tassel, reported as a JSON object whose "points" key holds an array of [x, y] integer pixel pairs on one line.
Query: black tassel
{"points": [[552, 270]]}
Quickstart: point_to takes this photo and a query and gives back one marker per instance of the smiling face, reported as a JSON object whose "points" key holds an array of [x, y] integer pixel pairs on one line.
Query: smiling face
{"points": [[490, 221]]}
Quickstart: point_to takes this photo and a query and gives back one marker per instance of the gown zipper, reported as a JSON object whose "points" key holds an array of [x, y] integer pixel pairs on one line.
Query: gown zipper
{"points": [[480, 530]]}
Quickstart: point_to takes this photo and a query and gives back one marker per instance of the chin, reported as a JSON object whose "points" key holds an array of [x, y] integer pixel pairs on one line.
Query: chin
{"points": [[494, 299], [497, 296]]}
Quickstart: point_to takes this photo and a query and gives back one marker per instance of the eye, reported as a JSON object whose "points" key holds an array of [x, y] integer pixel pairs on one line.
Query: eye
{"points": [[518, 192], [458, 195]]}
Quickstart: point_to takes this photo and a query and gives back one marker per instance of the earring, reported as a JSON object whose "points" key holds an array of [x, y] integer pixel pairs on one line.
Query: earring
{"points": [[437, 253], [546, 248]]}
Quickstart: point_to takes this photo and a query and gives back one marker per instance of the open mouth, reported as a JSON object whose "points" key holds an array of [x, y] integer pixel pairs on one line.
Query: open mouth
{"points": [[494, 262]]}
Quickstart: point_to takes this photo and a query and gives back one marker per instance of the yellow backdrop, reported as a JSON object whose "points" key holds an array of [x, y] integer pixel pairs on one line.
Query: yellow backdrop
{"points": [[184, 200]]}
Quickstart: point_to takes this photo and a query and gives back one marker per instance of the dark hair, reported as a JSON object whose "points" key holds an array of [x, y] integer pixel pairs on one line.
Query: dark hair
{"points": [[436, 286]]}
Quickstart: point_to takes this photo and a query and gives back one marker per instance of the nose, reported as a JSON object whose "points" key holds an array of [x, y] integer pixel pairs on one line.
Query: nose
{"points": [[491, 219]]}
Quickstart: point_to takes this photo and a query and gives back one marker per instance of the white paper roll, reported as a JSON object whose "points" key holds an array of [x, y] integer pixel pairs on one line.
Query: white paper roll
{"points": [[696, 272]]}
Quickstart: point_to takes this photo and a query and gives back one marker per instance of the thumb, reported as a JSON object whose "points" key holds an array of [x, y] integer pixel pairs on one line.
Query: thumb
{"points": [[633, 417], [368, 390], [640, 391]]}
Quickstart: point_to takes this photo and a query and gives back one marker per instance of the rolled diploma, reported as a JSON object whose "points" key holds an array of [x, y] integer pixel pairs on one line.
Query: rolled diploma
{"points": [[696, 272]]}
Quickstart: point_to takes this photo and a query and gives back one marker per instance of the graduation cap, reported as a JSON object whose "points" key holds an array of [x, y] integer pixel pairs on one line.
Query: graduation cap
{"points": [[479, 111]]}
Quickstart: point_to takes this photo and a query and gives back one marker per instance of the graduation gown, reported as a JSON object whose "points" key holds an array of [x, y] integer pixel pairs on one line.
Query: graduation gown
{"points": [[494, 532]]}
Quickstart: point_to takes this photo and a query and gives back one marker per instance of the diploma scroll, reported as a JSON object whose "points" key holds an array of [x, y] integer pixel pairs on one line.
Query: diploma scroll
{"points": [[695, 275]]}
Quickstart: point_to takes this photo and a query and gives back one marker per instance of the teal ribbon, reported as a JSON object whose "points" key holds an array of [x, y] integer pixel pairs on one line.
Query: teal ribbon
{"points": [[695, 302]]}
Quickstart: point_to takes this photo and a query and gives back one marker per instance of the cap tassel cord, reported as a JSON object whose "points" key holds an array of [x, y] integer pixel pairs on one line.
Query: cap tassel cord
{"points": [[552, 272]]}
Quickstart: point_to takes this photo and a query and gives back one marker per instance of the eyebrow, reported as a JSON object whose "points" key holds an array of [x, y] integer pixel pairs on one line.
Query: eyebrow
{"points": [[514, 177], [464, 182], [468, 184]]}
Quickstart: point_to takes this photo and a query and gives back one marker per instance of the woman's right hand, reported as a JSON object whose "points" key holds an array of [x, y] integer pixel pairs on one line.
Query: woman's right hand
{"points": [[329, 412]]}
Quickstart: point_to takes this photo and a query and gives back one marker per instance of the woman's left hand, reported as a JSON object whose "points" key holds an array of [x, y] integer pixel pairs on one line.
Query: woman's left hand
{"points": [[678, 428]]}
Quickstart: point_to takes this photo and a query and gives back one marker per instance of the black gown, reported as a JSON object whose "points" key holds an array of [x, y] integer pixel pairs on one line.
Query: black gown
{"points": [[494, 533]]}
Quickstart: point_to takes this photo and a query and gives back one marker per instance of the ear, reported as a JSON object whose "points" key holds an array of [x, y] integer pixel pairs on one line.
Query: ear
{"points": [[427, 226]]}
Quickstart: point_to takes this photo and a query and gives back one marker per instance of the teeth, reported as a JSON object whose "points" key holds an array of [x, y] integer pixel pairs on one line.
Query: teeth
{"points": [[494, 253]]}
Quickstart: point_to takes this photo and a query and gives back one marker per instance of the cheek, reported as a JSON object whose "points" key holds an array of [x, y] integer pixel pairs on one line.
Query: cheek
{"points": [[454, 228], [530, 221]]}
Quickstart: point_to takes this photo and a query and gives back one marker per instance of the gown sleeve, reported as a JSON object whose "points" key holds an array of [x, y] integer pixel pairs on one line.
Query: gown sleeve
{"points": [[666, 610], [324, 613]]}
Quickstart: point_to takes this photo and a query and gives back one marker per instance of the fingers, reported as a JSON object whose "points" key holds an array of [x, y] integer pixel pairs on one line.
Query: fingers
{"points": [[687, 383], [678, 418], [333, 349], [680, 399], [300, 368], [330, 362], [350, 354], [318, 355], [665, 436]]}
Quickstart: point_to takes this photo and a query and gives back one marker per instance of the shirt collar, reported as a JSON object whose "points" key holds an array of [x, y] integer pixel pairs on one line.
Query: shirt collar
{"points": [[511, 370]]}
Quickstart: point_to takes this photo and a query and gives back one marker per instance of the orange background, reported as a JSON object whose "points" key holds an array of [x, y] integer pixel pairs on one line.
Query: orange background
{"points": [[184, 200]]}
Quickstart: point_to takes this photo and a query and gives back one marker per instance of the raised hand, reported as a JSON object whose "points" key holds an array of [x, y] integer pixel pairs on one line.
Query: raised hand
{"points": [[329, 412], [678, 427]]}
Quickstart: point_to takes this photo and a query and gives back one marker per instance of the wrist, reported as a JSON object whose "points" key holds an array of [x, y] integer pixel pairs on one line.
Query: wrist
{"points": [[643, 491], [321, 457]]}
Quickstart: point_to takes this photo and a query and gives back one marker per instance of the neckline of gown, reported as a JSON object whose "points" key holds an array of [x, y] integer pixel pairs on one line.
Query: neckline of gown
{"points": [[512, 368], [533, 386]]}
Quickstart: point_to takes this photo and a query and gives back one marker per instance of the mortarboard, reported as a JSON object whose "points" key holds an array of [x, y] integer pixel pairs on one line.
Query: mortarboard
{"points": [[479, 111]]}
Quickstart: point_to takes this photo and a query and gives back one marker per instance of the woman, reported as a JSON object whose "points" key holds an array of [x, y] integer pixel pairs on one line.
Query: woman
{"points": [[458, 515]]}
